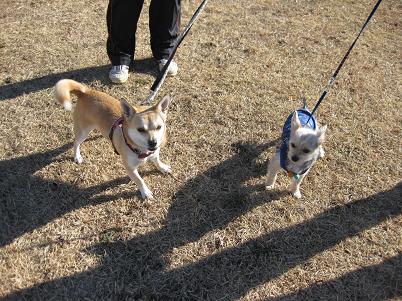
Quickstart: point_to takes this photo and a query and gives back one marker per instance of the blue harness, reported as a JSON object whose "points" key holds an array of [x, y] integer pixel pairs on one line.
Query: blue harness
{"points": [[306, 119]]}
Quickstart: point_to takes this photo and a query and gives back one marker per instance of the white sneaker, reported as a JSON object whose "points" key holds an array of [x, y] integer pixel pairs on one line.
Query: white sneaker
{"points": [[173, 68], [118, 74]]}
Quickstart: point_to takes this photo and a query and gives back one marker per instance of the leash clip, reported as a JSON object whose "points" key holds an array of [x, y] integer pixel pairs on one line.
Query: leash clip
{"points": [[149, 99]]}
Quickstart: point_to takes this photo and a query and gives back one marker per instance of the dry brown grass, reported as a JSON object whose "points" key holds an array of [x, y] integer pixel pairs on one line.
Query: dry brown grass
{"points": [[212, 233]]}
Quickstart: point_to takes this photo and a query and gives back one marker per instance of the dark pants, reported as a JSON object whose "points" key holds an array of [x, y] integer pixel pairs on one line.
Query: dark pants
{"points": [[122, 17]]}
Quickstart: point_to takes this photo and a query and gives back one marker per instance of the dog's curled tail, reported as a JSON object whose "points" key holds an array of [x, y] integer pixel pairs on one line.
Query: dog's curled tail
{"points": [[63, 90]]}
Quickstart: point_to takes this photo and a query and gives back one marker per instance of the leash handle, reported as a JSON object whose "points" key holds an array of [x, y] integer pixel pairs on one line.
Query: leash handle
{"points": [[334, 75], [162, 75]]}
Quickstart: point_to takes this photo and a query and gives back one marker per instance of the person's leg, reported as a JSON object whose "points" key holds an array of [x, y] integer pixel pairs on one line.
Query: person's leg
{"points": [[164, 25], [122, 17]]}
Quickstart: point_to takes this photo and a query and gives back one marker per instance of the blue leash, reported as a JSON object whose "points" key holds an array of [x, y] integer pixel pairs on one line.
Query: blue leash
{"points": [[332, 79]]}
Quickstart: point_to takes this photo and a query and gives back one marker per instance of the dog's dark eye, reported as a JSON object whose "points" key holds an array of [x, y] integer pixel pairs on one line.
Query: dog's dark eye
{"points": [[158, 127], [141, 130], [293, 145], [306, 151]]}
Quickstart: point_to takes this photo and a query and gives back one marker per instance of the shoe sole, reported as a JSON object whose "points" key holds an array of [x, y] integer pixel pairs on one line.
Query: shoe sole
{"points": [[118, 81]]}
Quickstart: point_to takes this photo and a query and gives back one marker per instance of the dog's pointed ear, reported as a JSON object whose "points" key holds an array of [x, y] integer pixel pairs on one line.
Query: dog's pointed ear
{"points": [[295, 121], [321, 134], [127, 109], [163, 105]]}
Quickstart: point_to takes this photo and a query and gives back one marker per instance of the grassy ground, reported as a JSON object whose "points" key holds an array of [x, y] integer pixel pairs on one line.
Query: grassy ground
{"points": [[212, 232]]}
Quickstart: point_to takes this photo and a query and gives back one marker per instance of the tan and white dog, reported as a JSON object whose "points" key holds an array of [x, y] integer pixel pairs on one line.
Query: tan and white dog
{"points": [[136, 132]]}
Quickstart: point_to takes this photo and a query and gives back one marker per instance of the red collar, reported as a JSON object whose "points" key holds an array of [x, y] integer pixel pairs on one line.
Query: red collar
{"points": [[119, 123]]}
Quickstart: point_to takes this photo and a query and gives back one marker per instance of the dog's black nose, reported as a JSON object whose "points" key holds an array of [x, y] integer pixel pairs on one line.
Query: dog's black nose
{"points": [[152, 143], [295, 158]]}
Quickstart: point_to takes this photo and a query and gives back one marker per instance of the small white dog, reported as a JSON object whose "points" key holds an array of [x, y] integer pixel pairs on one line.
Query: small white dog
{"points": [[300, 148]]}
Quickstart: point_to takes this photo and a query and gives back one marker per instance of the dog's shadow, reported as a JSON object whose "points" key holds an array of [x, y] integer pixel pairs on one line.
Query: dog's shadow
{"points": [[85, 75]]}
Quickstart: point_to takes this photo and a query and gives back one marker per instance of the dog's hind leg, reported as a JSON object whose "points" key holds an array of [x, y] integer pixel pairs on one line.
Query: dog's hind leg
{"points": [[321, 152], [81, 133], [274, 167]]}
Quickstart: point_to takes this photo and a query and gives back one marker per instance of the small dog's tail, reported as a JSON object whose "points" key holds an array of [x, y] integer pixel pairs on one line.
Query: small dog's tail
{"points": [[63, 90]]}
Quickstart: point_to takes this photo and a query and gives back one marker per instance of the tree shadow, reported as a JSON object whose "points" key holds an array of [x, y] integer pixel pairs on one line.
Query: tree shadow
{"points": [[377, 282], [29, 201], [84, 75], [138, 269]]}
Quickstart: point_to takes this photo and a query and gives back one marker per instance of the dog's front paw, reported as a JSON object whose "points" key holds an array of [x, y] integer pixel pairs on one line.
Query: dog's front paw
{"points": [[78, 159], [146, 194], [297, 194], [164, 168]]}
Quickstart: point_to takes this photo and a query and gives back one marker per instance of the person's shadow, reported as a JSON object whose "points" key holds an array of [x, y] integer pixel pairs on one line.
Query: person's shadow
{"points": [[84, 75], [138, 269]]}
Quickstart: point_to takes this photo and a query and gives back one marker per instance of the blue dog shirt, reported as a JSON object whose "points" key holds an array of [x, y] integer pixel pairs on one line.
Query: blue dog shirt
{"points": [[304, 116]]}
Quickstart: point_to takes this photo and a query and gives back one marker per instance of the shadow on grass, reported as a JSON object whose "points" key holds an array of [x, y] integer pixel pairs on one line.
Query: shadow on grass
{"points": [[377, 282], [29, 201], [85, 75], [137, 269]]}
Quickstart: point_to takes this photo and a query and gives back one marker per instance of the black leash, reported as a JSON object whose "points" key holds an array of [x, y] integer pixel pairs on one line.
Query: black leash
{"points": [[162, 75], [332, 79]]}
